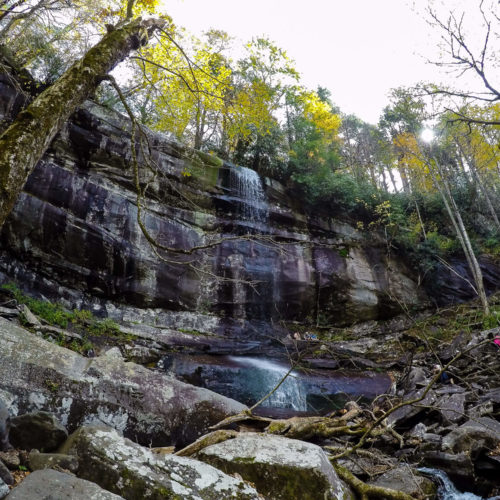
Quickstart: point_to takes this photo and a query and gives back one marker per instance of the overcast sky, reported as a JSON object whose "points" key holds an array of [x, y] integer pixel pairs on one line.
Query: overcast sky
{"points": [[358, 49]]}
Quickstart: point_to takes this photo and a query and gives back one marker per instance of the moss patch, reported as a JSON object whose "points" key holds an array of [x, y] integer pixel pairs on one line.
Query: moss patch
{"points": [[91, 329]]}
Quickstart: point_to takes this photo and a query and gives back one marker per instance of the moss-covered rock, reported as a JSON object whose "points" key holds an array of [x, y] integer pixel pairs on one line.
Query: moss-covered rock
{"points": [[280, 468], [405, 479], [132, 471]]}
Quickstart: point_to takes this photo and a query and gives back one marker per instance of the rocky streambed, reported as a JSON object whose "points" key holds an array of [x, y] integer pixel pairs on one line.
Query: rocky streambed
{"points": [[105, 427]]}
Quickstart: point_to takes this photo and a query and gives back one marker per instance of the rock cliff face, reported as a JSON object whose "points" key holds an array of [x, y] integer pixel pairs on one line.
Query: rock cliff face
{"points": [[74, 233]]}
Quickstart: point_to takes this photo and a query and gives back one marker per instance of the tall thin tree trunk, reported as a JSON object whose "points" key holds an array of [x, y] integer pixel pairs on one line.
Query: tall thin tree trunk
{"points": [[25, 141], [462, 235], [393, 180], [420, 218], [479, 183]]}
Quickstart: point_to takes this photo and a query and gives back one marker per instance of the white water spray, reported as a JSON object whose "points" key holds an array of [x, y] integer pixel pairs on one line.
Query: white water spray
{"points": [[446, 489], [247, 186], [266, 374]]}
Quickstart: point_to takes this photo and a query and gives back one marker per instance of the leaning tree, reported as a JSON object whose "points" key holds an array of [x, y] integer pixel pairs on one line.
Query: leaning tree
{"points": [[27, 138]]}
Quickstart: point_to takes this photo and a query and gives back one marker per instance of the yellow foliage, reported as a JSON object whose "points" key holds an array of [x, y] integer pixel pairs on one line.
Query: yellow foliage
{"points": [[413, 160], [319, 113]]}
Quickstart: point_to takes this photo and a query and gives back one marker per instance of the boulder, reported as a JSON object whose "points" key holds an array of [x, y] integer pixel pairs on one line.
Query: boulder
{"points": [[9, 312], [38, 461], [28, 317], [40, 430], [418, 431], [4, 426], [417, 377], [492, 395], [53, 485], [133, 471], [452, 407], [459, 467], [113, 352], [473, 437], [4, 489], [407, 480], [480, 410], [5, 474], [407, 416], [280, 468], [143, 404], [10, 459]]}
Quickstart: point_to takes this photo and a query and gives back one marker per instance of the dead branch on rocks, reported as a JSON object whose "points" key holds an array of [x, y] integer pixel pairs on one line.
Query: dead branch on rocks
{"points": [[366, 491], [207, 440]]}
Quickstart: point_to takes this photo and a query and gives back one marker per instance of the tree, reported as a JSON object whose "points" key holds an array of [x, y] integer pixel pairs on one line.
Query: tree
{"points": [[429, 161], [466, 56], [366, 153], [478, 157], [24, 142]]}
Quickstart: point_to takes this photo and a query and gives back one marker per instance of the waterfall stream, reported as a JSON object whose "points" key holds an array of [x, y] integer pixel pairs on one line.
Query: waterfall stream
{"points": [[265, 374], [247, 186], [248, 261], [446, 489]]}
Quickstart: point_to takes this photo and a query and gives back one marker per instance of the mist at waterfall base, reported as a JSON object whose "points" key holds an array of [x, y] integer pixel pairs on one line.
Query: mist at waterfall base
{"points": [[446, 489]]}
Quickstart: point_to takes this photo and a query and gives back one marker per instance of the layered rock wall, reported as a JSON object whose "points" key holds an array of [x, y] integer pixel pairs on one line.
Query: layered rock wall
{"points": [[74, 234]]}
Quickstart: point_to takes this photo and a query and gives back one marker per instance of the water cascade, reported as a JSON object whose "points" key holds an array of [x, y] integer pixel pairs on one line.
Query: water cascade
{"points": [[446, 489], [246, 186], [252, 261], [265, 374]]}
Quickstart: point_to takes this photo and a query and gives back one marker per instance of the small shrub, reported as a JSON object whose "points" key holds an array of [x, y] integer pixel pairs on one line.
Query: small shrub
{"points": [[105, 327], [492, 320], [54, 314], [81, 316]]}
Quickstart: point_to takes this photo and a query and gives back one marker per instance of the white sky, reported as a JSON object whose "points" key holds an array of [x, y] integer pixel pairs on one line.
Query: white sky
{"points": [[358, 49]]}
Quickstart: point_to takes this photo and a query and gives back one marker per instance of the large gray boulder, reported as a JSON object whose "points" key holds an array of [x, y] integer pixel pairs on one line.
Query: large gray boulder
{"points": [[452, 407], [53, 485], [39, 461], [119, 465], [143, 404], [405, 416], [473, 437], [280, 468]]}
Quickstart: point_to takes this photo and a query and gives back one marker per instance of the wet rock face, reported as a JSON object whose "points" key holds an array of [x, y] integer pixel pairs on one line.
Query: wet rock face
{"points": [[451, 288], [74, 233]]}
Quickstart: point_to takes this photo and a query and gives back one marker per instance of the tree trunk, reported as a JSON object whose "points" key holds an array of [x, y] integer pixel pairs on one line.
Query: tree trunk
{"points": [[479, 184], [25, 141], [456, 219]]}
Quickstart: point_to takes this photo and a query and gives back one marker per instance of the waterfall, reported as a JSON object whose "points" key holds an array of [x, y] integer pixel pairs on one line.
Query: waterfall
{"points": [[248, 260], [265, 374], [246, 185], [446, 489]]}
